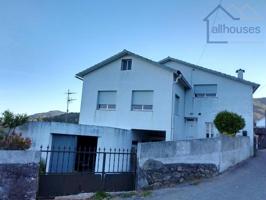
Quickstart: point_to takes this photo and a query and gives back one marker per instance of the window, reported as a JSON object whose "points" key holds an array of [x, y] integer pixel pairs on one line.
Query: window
{"points": [[209, 130], [126, 64], [177, 99], [142, 100], [205, 90], [106, 100]]}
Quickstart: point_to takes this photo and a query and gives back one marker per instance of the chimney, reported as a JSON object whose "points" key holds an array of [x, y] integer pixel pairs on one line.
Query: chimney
{"points": [[240, 73]]}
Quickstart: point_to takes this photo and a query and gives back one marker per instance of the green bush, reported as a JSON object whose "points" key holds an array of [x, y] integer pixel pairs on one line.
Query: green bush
{"points": [[14, 142], [101, 195], [229, 123], [11, 120]]}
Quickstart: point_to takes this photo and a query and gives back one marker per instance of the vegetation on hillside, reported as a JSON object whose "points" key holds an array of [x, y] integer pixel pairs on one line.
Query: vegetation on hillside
{"points": [[259, 108]]}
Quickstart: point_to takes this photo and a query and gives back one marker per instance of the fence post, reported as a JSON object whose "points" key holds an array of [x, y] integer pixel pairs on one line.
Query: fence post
{"points": [[103, 169]]}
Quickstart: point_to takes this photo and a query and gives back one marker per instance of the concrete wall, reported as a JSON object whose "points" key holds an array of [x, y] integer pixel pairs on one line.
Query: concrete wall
{"points": [[143, 76], [41, 134], [108, 138], [19, 172], [224, 152]]}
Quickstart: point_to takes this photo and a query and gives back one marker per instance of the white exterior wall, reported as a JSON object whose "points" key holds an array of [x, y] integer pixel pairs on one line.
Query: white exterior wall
{"points": [[178, 123], [143, 76], [41, 134], [231, 96]]}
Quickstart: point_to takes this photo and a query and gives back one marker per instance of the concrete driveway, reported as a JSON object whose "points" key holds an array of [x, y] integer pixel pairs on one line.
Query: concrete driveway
{"points": [[245, 182]]}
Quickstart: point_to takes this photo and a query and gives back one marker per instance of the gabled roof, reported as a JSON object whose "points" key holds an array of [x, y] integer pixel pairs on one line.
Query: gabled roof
{"points": [[121, 54], [168, 59]]}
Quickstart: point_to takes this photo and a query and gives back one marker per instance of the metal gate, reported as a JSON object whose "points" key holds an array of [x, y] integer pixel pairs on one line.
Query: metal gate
{"points": [[65, 171]]}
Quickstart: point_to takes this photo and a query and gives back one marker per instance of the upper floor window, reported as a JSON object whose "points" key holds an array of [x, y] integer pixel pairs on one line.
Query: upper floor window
{"points": [[208, 90], [126, 64], [142, 100], [106, 100]]}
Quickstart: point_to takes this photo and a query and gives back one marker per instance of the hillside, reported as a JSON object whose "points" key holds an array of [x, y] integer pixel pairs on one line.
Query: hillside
{"points": [[55, 116], [259, 108], [69, 118], [40, 116]]}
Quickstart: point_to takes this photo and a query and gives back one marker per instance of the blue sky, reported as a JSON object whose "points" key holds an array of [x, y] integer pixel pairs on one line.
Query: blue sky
{"points": [[43, 44]]}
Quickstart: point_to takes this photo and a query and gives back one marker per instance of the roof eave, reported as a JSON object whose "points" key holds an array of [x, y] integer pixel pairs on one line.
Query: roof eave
{"points": [[125, 52], [254, 85]]}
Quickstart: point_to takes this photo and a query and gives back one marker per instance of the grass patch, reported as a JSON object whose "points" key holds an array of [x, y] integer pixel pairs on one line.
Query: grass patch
{"points": [[146, 193], [128, 194], [101, 196]]}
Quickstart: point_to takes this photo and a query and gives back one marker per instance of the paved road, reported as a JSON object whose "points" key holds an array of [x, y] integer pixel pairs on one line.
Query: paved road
{"points": [[245, 182]]}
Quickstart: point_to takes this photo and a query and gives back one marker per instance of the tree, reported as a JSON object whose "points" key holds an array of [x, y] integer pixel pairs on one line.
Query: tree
{"points": [[229, 123], [11, 121]]}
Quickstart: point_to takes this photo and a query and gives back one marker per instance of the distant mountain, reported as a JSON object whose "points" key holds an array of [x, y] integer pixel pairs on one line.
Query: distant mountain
{"points": [[69, 118], [259, 105], [40, 116], [55, 116]]}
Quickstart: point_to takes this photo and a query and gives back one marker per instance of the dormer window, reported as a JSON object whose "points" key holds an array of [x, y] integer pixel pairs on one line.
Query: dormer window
{"points": [[126, 64]]}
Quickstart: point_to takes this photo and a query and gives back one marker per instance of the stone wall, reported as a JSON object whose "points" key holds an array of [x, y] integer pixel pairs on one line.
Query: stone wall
{"points": [[160, 163], [19, 172], [155, 174]]}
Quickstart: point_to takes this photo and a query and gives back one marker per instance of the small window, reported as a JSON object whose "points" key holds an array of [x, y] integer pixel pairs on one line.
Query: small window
{"points": [[209, 130], [106, 100], [209, 90], [142, 100], [126, 64], [177, 99]]}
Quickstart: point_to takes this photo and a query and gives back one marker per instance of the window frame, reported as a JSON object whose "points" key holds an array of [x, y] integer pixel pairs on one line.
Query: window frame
{"points": [[176, 108], [209, 129], [105, 107], [205, 94], [142, 107], [128, 66]]}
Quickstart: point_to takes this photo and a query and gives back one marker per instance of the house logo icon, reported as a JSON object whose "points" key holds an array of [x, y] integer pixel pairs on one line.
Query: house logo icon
{"points": [[207, 20], [229, 28]]}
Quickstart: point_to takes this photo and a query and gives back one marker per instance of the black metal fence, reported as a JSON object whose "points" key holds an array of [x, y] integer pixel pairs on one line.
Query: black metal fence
{"points": [[65, 170]]}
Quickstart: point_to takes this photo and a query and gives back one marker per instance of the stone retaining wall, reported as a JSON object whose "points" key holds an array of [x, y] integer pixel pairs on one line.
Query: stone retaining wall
{"points": [[154, 174], [19, 172], [18, 181]]}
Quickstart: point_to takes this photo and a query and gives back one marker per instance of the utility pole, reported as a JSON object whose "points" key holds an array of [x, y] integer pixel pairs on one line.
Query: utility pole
{"points": [[69, 100]]}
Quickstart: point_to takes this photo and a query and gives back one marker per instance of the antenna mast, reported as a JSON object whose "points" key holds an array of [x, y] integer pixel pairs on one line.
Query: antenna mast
{"points": [[69, 100]]}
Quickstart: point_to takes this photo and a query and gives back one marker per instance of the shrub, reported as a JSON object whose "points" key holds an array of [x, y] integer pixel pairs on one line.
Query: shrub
{"points": [[229, 123], [14, 142], [100, 196], [11, 120]]}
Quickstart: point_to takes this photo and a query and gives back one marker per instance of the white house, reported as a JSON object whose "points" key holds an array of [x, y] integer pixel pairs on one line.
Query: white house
{"points": [[127, 99], [166, 100]]}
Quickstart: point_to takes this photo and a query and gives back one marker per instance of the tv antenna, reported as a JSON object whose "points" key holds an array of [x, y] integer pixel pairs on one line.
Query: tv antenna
{"points": [[69, 100]]}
